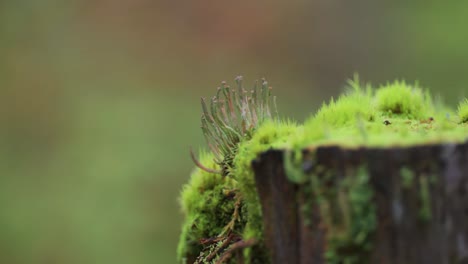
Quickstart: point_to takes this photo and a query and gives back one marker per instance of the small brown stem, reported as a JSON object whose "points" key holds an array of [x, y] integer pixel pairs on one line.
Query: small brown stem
{"points": [[221, 247], [230, 226], [235, 247], [211, 240], [199, 165]]}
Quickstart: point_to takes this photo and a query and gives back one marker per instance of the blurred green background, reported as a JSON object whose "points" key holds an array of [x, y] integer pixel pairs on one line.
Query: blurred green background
{"points": [[99, 102]]}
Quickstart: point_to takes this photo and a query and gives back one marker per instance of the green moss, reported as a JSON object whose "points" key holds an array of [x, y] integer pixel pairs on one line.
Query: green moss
{"points": [[208, 207], [348, 109], [400, 99], [292, 165], [407, 177], [396, 114], [463, 111]]}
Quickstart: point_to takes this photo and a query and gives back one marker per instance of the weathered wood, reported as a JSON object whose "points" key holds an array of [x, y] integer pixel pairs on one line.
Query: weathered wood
{"points": [[405, 233], [279, 207]]}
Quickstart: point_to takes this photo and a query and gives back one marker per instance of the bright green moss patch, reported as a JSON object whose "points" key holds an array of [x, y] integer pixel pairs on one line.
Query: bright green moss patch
{"points": [[463, 111], [208, 203], [292, 165], [348, 109], [400, 99], [396, 114]]}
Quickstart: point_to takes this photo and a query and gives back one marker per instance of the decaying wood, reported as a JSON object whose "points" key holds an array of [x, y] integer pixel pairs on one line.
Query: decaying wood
{"points": [[401, 236], [279, 206]]}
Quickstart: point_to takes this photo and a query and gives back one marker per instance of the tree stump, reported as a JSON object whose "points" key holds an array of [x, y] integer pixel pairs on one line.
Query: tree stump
{"points": [[418, 203]]}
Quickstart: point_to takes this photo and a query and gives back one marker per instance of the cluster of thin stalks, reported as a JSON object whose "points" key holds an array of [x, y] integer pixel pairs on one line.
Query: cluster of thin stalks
{"points": [[232, 115]]}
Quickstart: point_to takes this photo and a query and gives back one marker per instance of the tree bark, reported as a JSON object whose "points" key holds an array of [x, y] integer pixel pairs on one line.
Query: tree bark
{"points": [[422, 218]]}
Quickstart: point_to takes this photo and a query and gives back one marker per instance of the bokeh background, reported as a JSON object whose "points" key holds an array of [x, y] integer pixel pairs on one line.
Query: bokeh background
{"points": [[99, 101]]}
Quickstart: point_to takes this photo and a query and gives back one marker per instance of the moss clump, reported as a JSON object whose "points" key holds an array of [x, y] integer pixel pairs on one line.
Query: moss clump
{"points": [[401, 99], [209, 204], [463, 111], [292, 164], [348, 109]]}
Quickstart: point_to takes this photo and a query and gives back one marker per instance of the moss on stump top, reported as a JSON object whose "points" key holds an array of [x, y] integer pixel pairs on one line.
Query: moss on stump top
{"points": [[396, 114]]}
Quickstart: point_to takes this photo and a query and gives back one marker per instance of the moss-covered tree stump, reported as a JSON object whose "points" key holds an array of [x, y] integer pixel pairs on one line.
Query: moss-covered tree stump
{"points": [[367, 205], [376, 176]]}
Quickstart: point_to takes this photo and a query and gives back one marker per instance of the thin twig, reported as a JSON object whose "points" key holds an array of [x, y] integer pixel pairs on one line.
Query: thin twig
{"points": [[225, 243], [199, 165], [211, 240], [235, 247], [235, 215]]}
